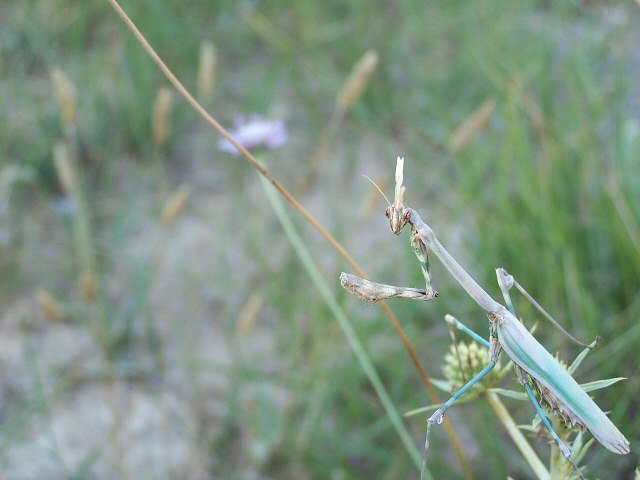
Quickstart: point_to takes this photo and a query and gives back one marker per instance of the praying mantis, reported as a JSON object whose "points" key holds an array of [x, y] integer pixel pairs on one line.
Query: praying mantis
{"points": [[534, 365]]}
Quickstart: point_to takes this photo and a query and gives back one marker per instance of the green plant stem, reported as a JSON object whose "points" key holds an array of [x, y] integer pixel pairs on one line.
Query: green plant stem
{"points": [[518, 438], [348, 330]]}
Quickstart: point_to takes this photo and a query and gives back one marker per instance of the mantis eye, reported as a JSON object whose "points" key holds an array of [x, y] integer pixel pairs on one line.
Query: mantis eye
{"points": [[387, 212]]}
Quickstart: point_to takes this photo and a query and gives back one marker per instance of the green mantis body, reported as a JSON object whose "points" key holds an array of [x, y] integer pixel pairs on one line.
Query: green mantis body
{"points": [[534, 364]]}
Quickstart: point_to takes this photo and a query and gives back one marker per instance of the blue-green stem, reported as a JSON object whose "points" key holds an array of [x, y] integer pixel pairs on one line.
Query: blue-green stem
{"points": [[516, 435]]}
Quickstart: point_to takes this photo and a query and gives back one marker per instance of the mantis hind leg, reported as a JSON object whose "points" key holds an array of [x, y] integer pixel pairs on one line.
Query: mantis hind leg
{"points": [[566, 452]]}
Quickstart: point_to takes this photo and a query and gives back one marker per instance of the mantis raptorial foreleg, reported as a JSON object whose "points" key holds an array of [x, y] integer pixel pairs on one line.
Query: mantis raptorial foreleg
{"points": [[373, 292]]}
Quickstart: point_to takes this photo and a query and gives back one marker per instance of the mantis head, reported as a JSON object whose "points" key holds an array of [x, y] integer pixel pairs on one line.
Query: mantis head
{"points": [[396, 211]]}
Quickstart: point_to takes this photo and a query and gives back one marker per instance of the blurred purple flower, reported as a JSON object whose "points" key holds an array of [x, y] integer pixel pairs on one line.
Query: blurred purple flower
{"points": [[255, 132]]}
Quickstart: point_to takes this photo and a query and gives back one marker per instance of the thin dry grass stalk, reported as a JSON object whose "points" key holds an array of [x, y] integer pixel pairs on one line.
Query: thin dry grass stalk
{"points": [[517, 90], [207, 70], [249, 312], [472, 126], [271, 33], [351, 91], [161, 121], [357, 81], [50, 306], [88, 285], [65, 93], [174, 205], [65, 170]]}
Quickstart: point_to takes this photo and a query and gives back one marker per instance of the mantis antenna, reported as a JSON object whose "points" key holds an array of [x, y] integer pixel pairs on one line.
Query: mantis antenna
{"points": [[377, 188]]}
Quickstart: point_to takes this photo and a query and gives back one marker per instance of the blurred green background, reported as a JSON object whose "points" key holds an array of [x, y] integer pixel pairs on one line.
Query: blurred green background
{"points": [[141, 342]]}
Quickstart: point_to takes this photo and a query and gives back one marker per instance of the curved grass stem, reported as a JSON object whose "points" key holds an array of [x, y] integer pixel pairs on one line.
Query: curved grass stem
{"points": [[298, 206]]}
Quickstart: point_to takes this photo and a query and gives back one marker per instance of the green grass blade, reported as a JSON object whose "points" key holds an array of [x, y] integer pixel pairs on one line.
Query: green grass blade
{"points": [[343, 321]]}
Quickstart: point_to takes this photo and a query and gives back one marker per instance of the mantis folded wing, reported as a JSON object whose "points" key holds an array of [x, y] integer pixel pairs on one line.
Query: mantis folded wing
{"points": [[534, 364]]}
